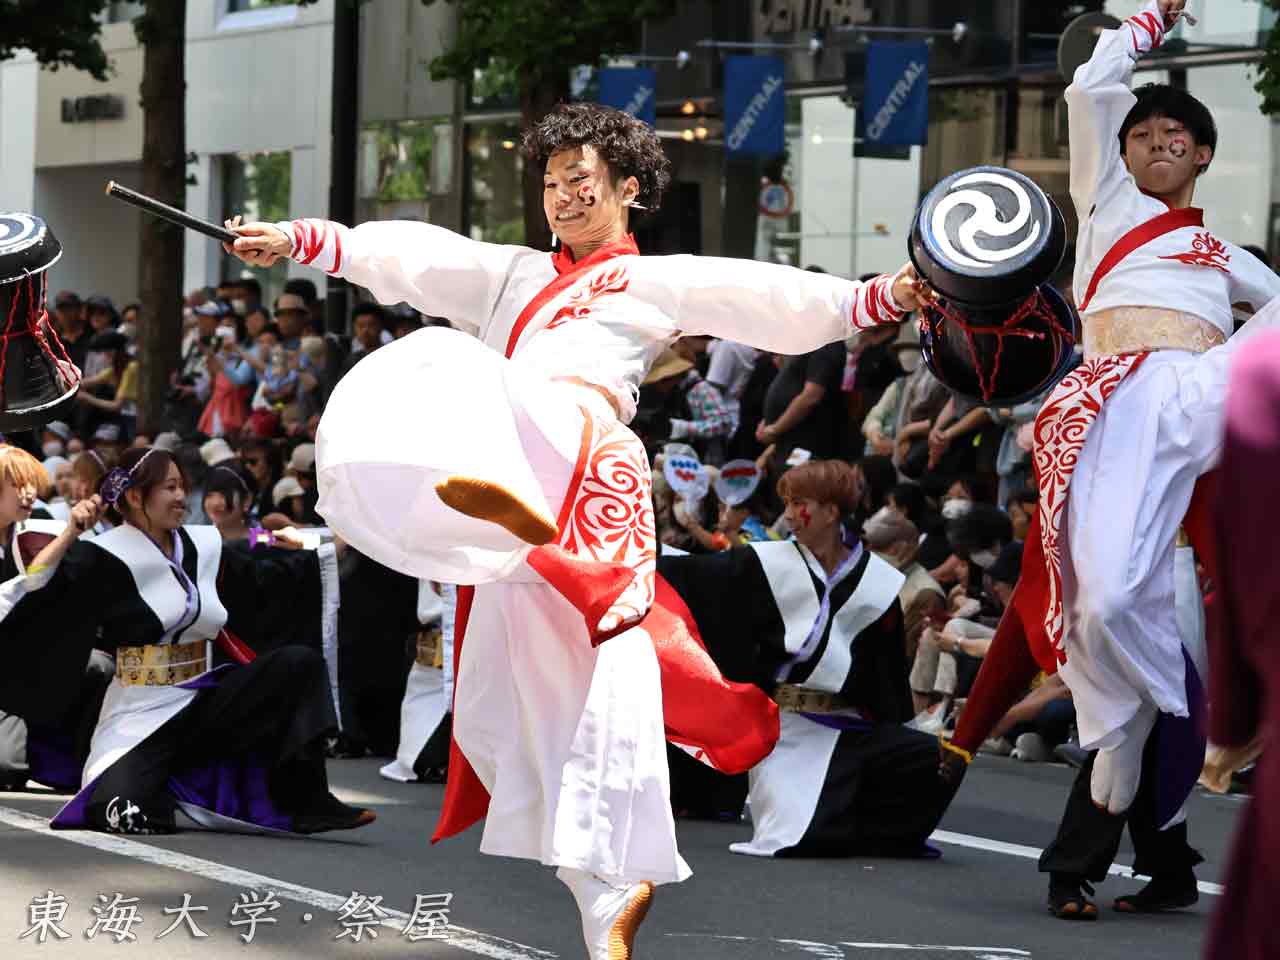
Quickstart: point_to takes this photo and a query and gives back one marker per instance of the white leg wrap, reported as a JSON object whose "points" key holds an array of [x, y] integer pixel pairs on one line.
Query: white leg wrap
{"points": [[1118, 768]]}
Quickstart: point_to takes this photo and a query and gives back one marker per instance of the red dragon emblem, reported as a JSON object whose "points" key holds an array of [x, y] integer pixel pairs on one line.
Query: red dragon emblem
{"points": [[1206, 251]]}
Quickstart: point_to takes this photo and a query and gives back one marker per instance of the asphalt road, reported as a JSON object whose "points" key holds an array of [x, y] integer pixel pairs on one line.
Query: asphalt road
{"points": [[983, 899]]}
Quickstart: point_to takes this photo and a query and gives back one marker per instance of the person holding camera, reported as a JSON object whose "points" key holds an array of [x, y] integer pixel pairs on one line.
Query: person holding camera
{"points": [[228, 406], [190, 384]]}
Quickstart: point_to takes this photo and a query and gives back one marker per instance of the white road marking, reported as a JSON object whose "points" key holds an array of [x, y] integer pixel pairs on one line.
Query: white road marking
{"points": [[1032, 853], [833, 951], [472, 941], [982, 953]]}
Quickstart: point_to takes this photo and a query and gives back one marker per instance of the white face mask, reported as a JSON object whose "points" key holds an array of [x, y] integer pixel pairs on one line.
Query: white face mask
{"points": [[239, 305], [53, 448], [983, 558], [955, 507]]}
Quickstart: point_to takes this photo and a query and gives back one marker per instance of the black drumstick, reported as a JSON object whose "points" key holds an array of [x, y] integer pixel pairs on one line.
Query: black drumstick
{"points": [[172, 214]]}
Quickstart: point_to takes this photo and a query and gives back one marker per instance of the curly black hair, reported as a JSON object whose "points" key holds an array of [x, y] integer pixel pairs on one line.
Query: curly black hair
{"points": [[629, 146]]}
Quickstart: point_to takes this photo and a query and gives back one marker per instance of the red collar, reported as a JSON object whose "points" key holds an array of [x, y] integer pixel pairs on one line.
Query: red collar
{"points": [[567, 271], [564, 262]]}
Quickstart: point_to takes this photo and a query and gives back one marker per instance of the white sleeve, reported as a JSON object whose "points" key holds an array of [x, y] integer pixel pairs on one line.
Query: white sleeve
{"points": [[434, 270], [766, 305], [1252, 281], [1098, 100]]}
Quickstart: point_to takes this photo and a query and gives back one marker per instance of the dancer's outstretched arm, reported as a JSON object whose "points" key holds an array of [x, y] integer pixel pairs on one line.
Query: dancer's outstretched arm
{"points": [[434, 270], [768, 305], [441, 273]]}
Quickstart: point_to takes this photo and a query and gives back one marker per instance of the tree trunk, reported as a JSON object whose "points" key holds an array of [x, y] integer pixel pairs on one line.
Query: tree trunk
{"points": [[538, 97], [163, 31]]}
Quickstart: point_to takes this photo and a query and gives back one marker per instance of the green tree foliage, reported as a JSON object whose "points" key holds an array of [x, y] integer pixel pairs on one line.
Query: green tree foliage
{"points": [[61, 33], [1268, 81], [538, 42], [541, 40]]}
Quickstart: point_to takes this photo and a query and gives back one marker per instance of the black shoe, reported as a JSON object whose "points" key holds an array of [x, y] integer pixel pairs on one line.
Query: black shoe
{"points": [[13, 782], [343, 747], [332, 814], [1071, 754], [1170, 892], [1067, 900], [434, 775]]}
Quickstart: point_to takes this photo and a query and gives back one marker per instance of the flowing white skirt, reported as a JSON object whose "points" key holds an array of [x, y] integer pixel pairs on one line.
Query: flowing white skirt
{"points": [[437, 404], [567, 738]]}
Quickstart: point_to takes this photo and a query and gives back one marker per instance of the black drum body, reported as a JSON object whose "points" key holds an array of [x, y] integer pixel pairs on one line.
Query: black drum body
{"points": [[1004, 355], [38, 382], [987, 240]]}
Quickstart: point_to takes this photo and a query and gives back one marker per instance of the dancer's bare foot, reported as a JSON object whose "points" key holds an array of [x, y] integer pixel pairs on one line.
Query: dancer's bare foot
{"points": [[489, 501]]}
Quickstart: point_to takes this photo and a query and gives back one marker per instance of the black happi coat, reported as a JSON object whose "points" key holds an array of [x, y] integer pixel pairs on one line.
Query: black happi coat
{"points": [[97, 597], [859, 782]]}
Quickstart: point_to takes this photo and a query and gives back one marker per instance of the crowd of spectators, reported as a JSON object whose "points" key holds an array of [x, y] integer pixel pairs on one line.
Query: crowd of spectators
{"points": [[241, 413]]}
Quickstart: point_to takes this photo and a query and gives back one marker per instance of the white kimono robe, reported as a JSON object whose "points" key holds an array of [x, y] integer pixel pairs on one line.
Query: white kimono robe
{"points": [[567, 737]]}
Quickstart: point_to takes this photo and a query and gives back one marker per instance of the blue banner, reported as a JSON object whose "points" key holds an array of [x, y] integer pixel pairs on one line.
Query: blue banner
{"points": [[895, 103], [754, 107], [632, 90]]}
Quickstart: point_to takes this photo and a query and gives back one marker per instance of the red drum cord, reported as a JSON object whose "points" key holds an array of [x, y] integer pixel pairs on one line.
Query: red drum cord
{"points": [[1034, 306], [63, 364]]}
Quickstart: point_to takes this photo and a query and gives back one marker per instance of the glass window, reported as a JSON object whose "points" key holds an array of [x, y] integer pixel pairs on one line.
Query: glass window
{"points": [[1040, 150], [235, 6], [966, 129], [121, 11], [1236, 192], [821, 206], [397, 169], [495, 199], [494, 87], [256, 186]]}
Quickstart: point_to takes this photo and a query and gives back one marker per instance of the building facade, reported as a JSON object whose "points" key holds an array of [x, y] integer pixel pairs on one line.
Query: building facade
{"points": [[262, 74]]}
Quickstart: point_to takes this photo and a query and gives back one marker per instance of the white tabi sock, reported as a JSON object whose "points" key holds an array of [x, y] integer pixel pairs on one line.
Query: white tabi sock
{"points": [[611, 911]]}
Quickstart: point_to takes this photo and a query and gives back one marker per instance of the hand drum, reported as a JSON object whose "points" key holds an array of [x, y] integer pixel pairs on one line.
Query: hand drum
{"points": [[988, 240], [38, 381]]}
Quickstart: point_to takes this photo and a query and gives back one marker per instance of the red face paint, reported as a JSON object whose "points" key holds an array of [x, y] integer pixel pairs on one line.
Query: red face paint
{"points": [[805, 519], [587, 194], [1178, 147]]}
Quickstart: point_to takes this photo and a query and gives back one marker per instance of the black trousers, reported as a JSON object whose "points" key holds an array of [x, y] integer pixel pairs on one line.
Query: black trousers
{"points": [[1088, 838], [278, 709]]}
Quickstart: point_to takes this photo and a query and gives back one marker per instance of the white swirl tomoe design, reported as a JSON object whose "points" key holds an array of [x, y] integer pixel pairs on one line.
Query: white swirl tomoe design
{"points": [[984, 219], [1060, 431], [16, 229]]}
